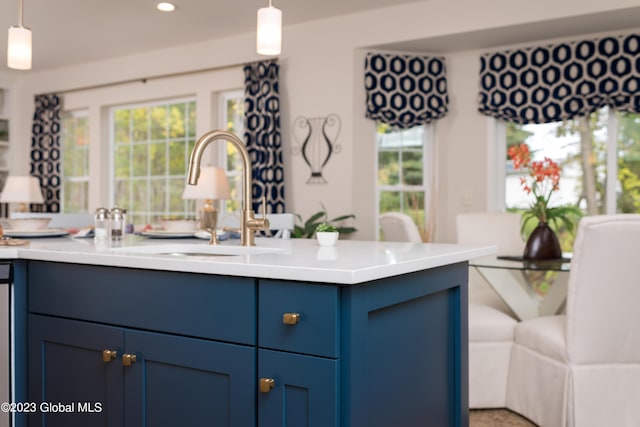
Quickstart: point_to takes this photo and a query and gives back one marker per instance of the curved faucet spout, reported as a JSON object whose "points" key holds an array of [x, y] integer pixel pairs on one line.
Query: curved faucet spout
{"points": [[248, 224]]}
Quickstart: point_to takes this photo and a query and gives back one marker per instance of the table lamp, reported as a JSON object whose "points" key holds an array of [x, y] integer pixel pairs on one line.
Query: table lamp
{"points": [[212, 185], [23, 190]]}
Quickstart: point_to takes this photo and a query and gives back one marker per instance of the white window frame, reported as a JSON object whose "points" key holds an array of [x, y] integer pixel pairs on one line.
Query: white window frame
{"points": [[232, 174], [497, 152], [85, 178], [428, 177], [148, 104]]}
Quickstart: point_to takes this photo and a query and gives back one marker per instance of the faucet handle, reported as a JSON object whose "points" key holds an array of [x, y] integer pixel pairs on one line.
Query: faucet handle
{"points": [[265, 221], [259, 223], [264, 209]]}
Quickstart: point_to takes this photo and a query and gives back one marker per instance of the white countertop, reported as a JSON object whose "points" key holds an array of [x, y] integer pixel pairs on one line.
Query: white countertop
{"points": [[349, 262]]}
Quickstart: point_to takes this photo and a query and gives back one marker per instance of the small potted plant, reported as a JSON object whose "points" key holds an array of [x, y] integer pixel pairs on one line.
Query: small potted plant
{"points": [[326, 234]]}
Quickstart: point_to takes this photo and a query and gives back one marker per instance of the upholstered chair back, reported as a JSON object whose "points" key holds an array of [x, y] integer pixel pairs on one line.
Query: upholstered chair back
{"points": [[491, 228], [603, 300], [399, 227]]}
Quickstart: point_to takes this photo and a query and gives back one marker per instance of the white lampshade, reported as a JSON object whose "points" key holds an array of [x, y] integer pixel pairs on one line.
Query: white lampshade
{"points": [[269, 35], [19, 48], [22, 189], [212, 184]]}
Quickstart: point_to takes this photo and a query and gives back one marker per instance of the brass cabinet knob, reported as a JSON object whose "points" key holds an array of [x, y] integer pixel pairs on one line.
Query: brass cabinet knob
{"points": [[290, 318], [266, 384], [128, 359], [109, 355]]}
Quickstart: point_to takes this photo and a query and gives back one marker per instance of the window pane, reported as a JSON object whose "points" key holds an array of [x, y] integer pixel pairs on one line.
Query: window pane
{"points": [[75, 161], [628, 148], [122, 123], [140, 129], [412, 168], [390, 201], [388, 168], [76, 196], [177, 153], [191, 124], [122, 161], [414, 204], [158, 157], [177, 120], [140, 196], [140, 165], [176, 203], [158, 122], [122, 193], [150, 157], [232, 106], [157, 196]]}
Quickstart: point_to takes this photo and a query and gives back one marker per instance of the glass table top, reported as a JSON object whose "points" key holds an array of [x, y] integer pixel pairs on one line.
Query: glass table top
{"points": [[529, 288], [517, 263]]}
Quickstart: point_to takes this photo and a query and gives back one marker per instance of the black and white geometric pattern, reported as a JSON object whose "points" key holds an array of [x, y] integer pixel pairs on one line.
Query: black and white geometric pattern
{"points": [[262, 134], [45, 149], [543, 84], [404, 90]]}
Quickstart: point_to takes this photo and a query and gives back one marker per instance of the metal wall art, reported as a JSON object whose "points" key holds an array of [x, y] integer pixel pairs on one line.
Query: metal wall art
{"points": [[316, 138]]}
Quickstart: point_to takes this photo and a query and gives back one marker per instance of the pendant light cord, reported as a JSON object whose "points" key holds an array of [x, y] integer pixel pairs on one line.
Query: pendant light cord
{"points": [[20, 13]]}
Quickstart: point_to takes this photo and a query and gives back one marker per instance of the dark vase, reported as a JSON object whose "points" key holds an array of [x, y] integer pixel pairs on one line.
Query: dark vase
{"points": [[542, 244]]}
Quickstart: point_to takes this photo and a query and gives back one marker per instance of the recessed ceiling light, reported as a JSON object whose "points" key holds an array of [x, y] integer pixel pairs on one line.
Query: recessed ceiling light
{"points": [[166, 7]]}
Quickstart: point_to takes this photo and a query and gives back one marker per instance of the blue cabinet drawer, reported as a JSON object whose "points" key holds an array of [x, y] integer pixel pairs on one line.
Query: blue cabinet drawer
{"points": [[198, 305], [318, 321]]}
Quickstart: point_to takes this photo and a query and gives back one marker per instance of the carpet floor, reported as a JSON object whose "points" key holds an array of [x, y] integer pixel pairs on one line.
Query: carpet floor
{"points": [[497, 418]]}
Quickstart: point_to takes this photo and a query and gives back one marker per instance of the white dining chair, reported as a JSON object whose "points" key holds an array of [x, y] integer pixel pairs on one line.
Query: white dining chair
{"points": [[399, 227], [582, 369], [491, 322]]}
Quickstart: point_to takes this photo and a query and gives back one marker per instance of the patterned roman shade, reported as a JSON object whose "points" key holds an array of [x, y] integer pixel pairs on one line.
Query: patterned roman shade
{"points": [[558, 82], [405, 90]]}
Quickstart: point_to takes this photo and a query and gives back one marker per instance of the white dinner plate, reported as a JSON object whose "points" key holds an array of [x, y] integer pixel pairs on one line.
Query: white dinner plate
{"points": [[162, 234], [49, 232]]}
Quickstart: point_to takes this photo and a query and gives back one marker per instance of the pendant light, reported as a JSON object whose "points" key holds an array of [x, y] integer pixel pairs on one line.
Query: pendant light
{"points": [[269, 38], [19, 46]]}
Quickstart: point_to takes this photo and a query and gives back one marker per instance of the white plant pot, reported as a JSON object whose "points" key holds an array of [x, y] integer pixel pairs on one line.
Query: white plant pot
{"points": [[327, 238]]}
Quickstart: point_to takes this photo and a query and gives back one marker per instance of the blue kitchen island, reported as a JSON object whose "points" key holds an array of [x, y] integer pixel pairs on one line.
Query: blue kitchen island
{"points": [[286, 334]]}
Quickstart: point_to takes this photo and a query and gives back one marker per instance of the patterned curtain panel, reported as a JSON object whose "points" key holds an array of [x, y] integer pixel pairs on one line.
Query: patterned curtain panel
{"points": [[262, 134], [45, 149], [557, 82], [404, 90]]}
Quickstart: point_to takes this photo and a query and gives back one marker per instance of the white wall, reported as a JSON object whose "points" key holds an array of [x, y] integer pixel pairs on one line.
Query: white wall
{"points": [[321, 73]]}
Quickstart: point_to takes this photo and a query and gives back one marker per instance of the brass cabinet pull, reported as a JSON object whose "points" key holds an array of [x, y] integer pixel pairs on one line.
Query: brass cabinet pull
{"points": [[128, 359], [109, 355], [266, 384], [290, 318]]}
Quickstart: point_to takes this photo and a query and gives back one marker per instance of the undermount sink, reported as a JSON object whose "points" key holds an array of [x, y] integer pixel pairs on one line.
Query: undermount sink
{"points": [[185, 250]]}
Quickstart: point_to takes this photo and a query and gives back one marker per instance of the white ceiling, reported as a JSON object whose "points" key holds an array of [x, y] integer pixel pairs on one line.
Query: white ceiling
{"points": [[76, 31], [67, 32]]}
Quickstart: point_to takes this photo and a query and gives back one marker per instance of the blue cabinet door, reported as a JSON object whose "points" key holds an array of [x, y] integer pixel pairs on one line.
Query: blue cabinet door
{"points": [[69, 382], [305, 390], [180, 381]]}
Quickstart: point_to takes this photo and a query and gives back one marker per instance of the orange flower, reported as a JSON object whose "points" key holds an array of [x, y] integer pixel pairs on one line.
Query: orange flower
{"points": [[545, 176]]}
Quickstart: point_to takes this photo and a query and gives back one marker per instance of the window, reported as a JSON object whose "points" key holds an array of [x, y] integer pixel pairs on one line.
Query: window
{"points": [[151, 144], [232, 115], [403, 172], [75, 161], [599, 157]]}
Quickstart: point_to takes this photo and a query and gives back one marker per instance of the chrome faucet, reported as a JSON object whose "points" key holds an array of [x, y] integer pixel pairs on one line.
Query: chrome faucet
{"points": [[248, 223]]}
